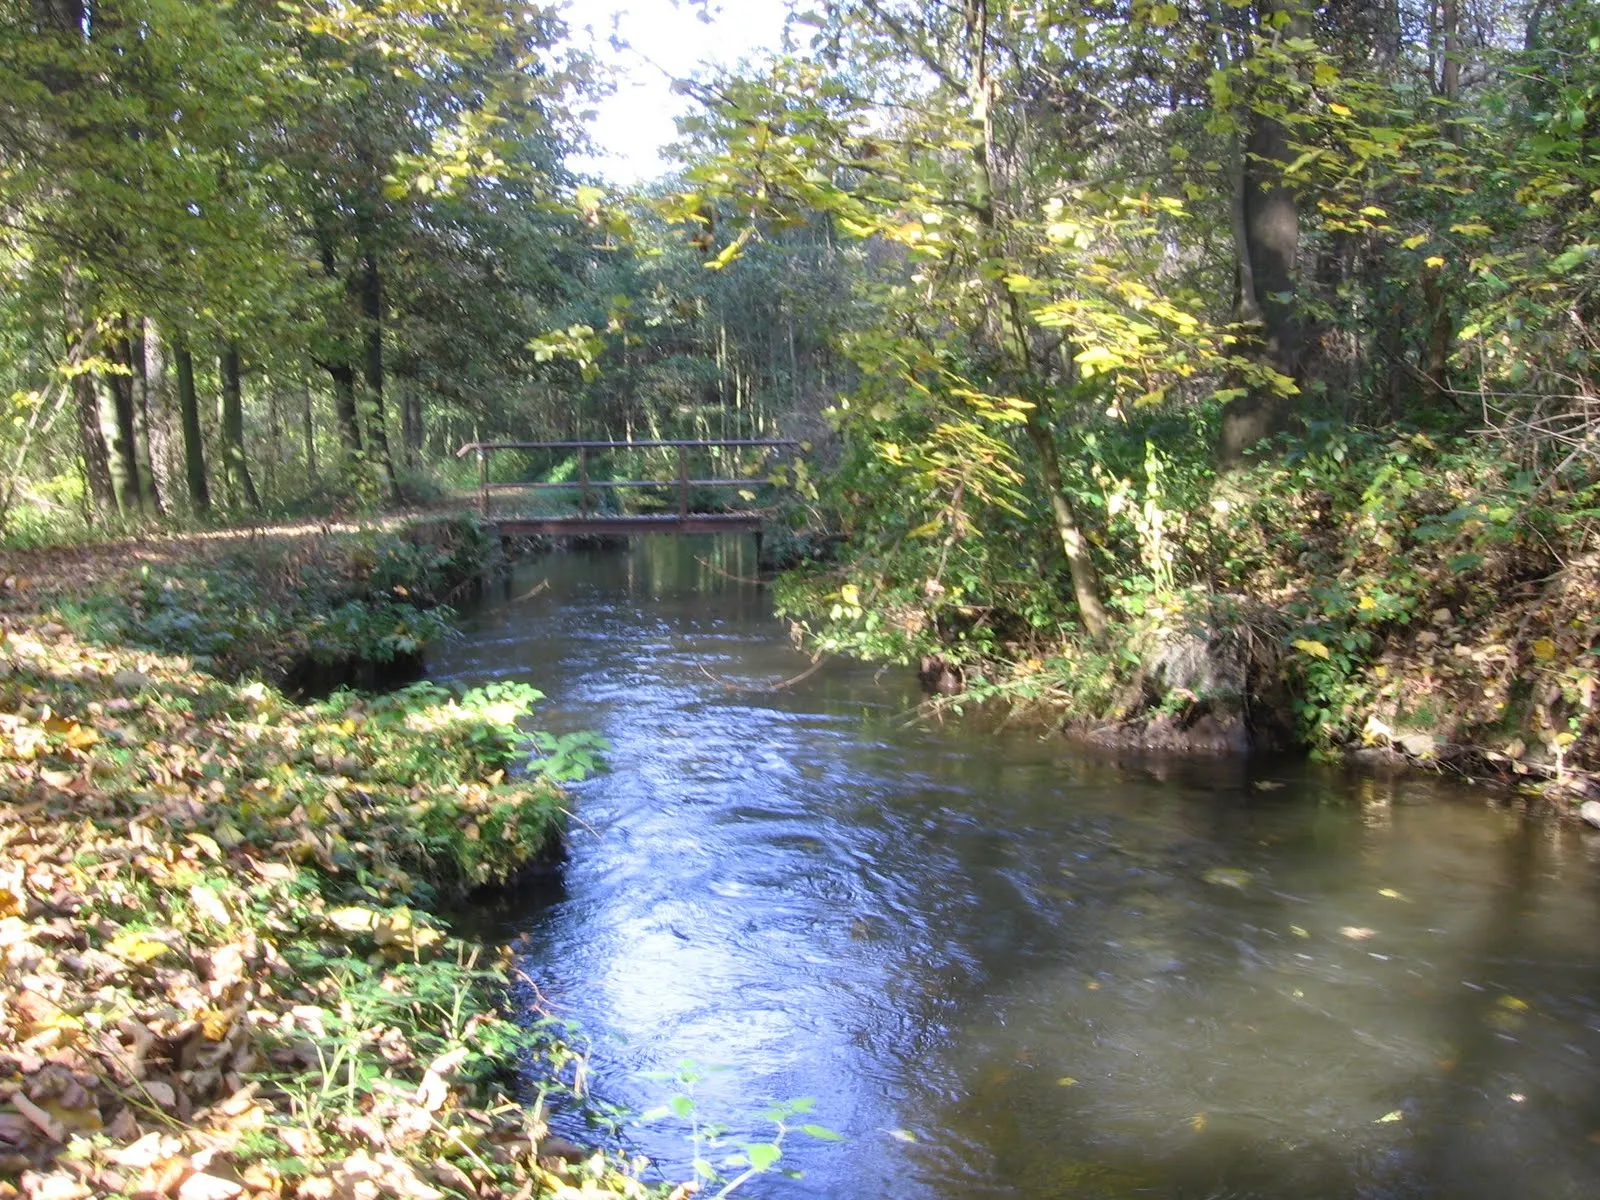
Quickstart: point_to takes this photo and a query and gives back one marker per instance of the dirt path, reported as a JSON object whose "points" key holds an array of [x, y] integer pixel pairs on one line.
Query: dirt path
{"points": [[57, 570]]}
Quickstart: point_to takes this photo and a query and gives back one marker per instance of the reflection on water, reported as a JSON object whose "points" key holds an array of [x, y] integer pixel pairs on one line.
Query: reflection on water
{"points": [[1006, 968]]}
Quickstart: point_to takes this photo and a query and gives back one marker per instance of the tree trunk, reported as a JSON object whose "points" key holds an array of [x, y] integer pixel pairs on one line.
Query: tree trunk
{"points": [[96, 458], [126, 442], [344, 406], [155, 414], [236, 470], [408, 428], [194, 453], [1085, 579], [1435, 298], [372, 315], [308, 431], [274, 440], [1267, 237], [1005, 312]]}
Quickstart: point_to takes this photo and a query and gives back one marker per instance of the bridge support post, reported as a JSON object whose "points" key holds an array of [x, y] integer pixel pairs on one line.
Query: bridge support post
{"points": [[483, 483], [683, 485], [583, 481]]}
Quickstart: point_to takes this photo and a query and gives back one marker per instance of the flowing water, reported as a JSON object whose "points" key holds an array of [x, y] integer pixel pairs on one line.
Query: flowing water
{"points": [[1003, 966]]}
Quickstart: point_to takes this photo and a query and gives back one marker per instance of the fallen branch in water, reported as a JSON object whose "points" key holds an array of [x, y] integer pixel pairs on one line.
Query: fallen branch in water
{"points": [[542, 585], [729, 574], [774, 687]]}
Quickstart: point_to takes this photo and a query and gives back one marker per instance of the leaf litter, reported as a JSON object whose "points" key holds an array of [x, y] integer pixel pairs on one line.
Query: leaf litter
{"points": [[218, 977]]}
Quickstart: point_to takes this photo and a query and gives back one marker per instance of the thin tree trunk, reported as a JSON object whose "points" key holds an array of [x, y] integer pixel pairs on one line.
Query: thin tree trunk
{"points": [[1441, 322], [308, 431], [236, 470], [1080, 566], [1006, 312], [372, 313], [274, 440], [194, 452], [408, 430]]}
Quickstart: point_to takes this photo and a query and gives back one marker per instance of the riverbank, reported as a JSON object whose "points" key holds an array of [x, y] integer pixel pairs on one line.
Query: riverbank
{"points": [[221, 972], [1386, 595]]}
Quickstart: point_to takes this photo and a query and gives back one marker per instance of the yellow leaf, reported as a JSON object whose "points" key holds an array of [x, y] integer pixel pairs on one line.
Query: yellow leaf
{"points": [[1544, 649], [81, 737], [1367, 604], [353, 920], [1415, 240], [137, 948], [1389, 1117], [1433, 260], [1512, 1004], [208, 845], [1339, 110], [1198, 1122], [215, 1023], [1066, 1081], [1313, 648], [851, 595], [1390, 893]]}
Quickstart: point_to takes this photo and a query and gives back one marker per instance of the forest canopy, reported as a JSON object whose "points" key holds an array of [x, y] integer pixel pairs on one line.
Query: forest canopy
{"points": [[1090, 311]]}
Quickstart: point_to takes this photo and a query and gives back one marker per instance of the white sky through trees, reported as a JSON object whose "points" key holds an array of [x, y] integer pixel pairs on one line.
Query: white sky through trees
{"points": [[665, 39]]}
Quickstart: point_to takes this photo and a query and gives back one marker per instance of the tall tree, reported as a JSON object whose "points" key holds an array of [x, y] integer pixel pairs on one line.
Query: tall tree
{"points": [[235, 460], [194, 454]]}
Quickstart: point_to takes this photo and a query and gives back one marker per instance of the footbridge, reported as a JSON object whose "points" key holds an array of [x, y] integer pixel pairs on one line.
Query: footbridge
{"points": [[709, 485]]}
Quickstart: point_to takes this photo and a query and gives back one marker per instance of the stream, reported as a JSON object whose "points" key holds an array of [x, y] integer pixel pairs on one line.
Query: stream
{"points": [[1003, 966]]}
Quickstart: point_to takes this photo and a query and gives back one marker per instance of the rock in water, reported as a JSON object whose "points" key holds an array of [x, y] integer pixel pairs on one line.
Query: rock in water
{"points": [[1590, 812]]}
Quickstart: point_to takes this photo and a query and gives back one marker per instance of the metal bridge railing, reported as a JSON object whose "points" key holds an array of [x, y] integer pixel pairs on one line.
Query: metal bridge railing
{"points": [[583, 449]]}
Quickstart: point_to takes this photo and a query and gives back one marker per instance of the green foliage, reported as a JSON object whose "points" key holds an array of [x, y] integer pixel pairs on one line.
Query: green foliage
{"points": [[257, 874], [374, 597], [722, 1166]]}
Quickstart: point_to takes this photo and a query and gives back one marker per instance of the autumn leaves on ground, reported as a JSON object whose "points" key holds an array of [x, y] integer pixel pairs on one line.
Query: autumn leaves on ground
{"points": [[218, 973]]}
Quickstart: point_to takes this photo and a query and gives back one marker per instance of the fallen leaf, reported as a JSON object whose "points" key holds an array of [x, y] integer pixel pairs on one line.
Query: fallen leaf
{"points": [[209, 905], [136, 948], [208, 1187], [41, 1120], [1358, 933]]}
